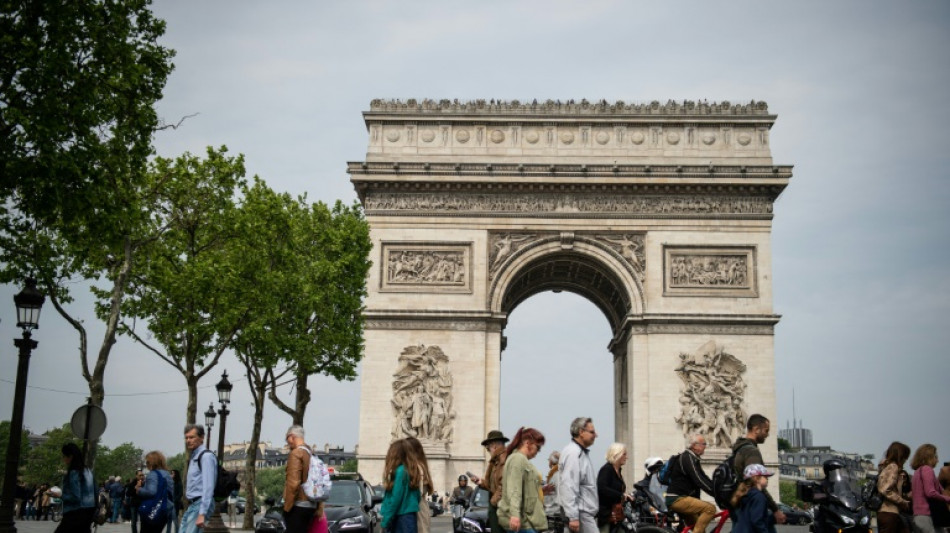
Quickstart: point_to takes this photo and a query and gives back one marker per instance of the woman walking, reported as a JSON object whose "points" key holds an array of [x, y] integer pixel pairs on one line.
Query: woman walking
{"points": [[417, 462], [611, 489], [926, 491], [79, 492], [522, 503], [750, 504], [157, 488], [891, 483], [400, 500]]}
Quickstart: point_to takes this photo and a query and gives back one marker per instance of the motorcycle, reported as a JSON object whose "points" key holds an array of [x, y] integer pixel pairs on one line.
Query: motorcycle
{"points": [[435, 505], [273, 519], [838, 509]]}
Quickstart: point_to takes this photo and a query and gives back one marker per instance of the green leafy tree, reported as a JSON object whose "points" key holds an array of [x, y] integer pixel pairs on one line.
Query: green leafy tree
{"points": [[788, 494], [783, 444], [269, 483], [45, 461], [186, 291], [295, 259], [177, 462], [350, 465], [5, 441], [123, 461], [78, 83], [327, 317]]}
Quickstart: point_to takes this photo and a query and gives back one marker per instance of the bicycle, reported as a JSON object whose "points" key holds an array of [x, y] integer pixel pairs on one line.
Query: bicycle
{"points": [[722, 515]]}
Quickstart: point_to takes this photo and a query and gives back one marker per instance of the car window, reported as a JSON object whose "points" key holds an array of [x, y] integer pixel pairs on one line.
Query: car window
{"points": [[345, 493]]}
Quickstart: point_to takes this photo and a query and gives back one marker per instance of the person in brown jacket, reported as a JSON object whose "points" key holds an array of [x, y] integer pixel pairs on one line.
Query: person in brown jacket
{"points": [[298, 509], [492, 482], [890, 483]]}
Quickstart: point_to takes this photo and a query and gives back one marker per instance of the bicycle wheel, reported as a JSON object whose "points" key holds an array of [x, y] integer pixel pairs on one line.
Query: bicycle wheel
{"points": [[653, 529]]}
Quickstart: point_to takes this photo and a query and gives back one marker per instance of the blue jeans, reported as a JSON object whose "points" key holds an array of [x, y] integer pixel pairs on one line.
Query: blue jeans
{"points": [[188, 519], [116, 507], [403, 523]]}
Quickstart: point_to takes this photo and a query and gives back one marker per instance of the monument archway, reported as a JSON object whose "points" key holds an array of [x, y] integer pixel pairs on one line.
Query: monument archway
{"points": [[658, 214]]}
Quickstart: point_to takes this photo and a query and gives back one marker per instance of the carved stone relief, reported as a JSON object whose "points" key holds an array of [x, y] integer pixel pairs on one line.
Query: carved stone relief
{"points": [[630, 246], [710, 271], [712, 395], [426, 267], [554, 204], [502, 245], [422, 395]]}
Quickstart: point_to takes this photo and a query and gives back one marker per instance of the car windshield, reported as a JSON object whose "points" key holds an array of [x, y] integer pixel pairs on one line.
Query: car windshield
{"points": [[480, 499], [345, 493]]}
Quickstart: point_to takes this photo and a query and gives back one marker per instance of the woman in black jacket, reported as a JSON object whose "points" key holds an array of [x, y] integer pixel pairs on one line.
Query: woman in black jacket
{"points": [[611, 489]]}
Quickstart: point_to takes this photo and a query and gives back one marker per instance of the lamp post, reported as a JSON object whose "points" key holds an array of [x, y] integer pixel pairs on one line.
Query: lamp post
{"points": [[216, 523], [28, 302], [209, 421]]}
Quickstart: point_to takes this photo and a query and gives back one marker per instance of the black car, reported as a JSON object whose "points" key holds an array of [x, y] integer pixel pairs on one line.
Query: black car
{"points": [[239, 506], [475, 517], [350, 507], [795, 516]]}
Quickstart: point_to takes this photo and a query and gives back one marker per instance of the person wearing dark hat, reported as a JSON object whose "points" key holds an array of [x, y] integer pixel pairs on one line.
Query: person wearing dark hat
{"points": [[492, 481]]}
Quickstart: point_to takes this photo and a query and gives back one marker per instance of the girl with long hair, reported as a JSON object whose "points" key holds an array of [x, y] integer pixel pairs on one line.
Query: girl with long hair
{"points": [[750, 503], [152, 487], [400, 500], [79, 492], [417, 463], [891, 483], [926, 493], [522, 503]]}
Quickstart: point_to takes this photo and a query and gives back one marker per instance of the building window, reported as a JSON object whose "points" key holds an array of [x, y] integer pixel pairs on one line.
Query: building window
{"points": [[804, 460], [817, 460]]}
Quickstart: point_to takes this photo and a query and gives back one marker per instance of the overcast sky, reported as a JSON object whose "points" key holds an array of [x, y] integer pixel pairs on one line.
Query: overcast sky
{"points": [[860, 237]]}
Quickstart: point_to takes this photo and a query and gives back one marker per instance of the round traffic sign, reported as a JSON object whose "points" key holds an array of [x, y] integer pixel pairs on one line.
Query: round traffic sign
{"points": [[88, 415]]}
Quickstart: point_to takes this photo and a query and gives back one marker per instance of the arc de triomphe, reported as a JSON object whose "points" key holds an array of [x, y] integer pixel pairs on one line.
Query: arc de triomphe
{"points": [[659, 214]]}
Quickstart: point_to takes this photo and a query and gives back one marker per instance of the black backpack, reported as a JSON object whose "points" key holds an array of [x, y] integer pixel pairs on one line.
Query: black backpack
{"points": [[227, 481], [873, 499], [666, 473], [725, 479]]}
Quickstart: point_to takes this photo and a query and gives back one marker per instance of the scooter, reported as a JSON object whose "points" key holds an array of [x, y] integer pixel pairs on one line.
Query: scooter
{"points": [[838, 508], [435, 507]]}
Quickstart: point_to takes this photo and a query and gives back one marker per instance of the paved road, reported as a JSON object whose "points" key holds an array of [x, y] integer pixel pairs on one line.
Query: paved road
{"points": [[440, 524]]}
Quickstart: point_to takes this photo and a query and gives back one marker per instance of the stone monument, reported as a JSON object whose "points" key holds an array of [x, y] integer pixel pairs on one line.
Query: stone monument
{"points": [[659, 214]]}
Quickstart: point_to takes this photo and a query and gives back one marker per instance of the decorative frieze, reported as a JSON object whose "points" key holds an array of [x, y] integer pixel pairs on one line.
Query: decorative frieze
{"points": [[426, 267], [709, 271], [503, 245], [712, 395], [555, 205]]}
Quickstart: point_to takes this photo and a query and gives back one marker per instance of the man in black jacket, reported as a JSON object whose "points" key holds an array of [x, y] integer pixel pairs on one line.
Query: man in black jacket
{"points": [[687, 479]]}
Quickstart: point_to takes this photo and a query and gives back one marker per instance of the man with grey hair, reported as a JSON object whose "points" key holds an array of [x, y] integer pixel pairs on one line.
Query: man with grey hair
{"points": [[298, 509], [687, 478], [202, 476], [577, 489]]}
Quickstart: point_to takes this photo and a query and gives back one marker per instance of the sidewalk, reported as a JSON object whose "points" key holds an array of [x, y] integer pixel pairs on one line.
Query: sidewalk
{"points": [[41, 526]]}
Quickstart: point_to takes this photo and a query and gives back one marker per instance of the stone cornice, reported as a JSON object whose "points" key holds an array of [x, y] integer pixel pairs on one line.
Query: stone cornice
{"points": [[441, 109], [402, 170]]}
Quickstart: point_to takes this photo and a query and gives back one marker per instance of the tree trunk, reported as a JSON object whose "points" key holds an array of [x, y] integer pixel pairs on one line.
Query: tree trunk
{"points": [[301, 398], [259, 389]]}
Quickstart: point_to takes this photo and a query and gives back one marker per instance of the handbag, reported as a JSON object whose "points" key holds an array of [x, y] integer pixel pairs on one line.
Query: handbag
{"points": [[153, 511], [616, 513], [939, 513], [424, 514]]}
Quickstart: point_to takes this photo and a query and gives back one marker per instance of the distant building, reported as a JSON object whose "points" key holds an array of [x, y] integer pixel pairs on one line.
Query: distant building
{"points": [[806, 463], [266, 456], [796, 435]]}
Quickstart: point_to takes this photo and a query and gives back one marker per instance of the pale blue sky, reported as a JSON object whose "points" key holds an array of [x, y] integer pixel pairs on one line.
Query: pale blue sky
{"points": [[860, 236]]}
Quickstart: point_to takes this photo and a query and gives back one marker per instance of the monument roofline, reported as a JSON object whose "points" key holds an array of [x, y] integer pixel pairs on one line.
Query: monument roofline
{"points": [[381, 109]]}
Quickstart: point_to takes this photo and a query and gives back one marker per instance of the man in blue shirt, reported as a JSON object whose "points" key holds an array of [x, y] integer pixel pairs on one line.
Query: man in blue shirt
{"points": [[202, 475]]}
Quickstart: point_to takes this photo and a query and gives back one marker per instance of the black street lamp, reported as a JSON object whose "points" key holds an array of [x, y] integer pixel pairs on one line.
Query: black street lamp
{"points": [[28, 302], [216, 523], [209, 421]]}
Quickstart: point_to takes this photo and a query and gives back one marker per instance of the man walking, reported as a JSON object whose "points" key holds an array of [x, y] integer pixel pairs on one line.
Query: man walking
{"points": [[202, 476], [494, 443], [686, 480], [577, 489], [298, 509], [116, 494], [747, 453]]}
